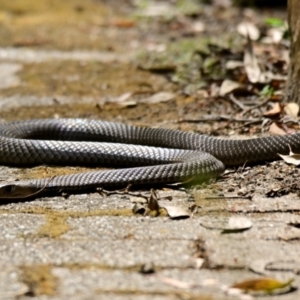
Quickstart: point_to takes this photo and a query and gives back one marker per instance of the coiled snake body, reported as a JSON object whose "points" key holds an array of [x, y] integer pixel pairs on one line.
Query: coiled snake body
{"points": [[145, 155]]}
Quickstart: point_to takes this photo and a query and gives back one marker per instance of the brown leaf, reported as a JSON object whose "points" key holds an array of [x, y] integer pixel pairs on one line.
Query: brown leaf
{"points": [[176, 212], [276, 130], [152, 202], [228, 86], [276, 110], [123, 23], [263, 284]]}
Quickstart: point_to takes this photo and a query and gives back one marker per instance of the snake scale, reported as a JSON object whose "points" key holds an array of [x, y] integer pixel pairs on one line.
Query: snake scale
{"points": [[142, 155]]}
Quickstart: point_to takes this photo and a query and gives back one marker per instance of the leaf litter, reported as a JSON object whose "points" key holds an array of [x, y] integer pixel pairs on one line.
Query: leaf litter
{"points": [[256, 70], [150, 206]]}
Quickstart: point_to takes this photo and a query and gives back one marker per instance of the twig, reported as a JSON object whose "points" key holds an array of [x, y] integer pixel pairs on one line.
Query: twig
{"points": [[124, 191], [237, 102], [256, 106], [218, 119], [227, 197], [243, 107]]}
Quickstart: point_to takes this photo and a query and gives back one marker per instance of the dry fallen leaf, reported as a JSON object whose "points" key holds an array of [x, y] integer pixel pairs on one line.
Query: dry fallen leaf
{"points": [[123, 23], [123, 100], [153, 202], [8, 75], [129, 103], [176, 283], [176, 212], [159, 97], [198, 26], [274, 111], [233, 64], [263, 284], [276, 34], [248, 29], [292, 109], [291, 158], [136, 199], [252, 68], [124, 97], [228, 86], [237, 224], [139, 208], [258, 265], [233, 224], [276, 130]]}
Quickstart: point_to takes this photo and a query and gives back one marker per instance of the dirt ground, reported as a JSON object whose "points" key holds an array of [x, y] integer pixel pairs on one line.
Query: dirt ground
{"points": [[171, 64]]}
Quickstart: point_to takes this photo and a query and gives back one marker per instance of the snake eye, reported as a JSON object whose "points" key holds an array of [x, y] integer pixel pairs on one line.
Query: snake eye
{"points": [[9, 188]]}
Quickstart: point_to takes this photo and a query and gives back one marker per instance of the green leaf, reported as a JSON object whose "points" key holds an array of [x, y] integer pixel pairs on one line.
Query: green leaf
{"points": [[267, 91], [274, 22]]}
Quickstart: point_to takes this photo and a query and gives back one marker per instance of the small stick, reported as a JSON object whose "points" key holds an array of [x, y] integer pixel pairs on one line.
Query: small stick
{"points": [[236, 102], [218, 119], [122, 192], [256, 106], [226, 197]]}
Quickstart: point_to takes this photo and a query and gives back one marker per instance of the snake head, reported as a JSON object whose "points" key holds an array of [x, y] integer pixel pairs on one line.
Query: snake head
{"points": [[15, 191]]}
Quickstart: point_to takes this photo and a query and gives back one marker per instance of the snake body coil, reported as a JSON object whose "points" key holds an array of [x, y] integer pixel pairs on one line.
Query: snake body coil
{"points": [[153, 155]]}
